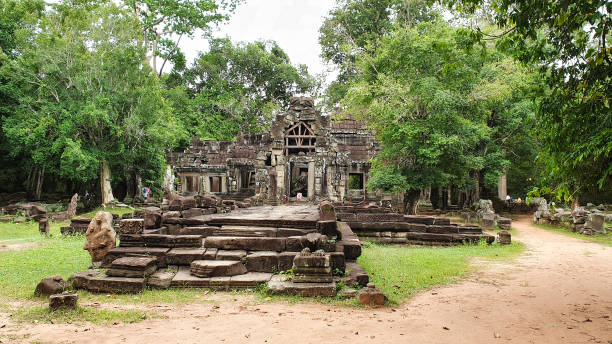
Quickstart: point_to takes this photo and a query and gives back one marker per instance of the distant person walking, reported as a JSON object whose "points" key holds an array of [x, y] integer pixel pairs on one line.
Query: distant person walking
{"points": [[145, 193]]}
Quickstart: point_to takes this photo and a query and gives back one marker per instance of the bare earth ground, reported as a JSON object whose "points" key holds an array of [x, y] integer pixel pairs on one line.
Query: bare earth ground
{"points": [[559, 292]]}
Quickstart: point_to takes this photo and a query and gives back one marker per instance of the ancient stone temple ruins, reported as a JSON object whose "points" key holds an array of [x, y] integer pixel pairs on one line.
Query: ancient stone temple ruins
{"points": [[303, 152]]}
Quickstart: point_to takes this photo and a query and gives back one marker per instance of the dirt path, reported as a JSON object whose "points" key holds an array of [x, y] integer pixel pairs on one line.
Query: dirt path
{"points": [[559, 292]]}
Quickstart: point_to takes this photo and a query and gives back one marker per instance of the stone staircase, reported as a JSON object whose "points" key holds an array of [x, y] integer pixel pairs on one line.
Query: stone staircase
{"points": [[379, 225], [221, 252]]}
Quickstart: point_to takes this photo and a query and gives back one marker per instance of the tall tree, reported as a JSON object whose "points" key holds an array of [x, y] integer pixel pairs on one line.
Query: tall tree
{"points": [[165, 22], [88, 105], [355, 27], [19, 20], [570, 41], [441, 112]]}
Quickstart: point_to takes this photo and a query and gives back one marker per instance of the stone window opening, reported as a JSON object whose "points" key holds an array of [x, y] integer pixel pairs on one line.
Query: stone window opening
{"points": [[355, 181], [299, 138]]}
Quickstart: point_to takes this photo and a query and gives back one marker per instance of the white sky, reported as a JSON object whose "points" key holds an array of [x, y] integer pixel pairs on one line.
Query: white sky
{"points": [[293, 24]]}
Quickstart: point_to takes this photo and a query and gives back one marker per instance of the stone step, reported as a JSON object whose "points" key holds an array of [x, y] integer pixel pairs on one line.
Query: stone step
{"points": [[132, 267], [184, 256], [167, 240], [217, 268], [277, 223], [245, 231], [432, 238], [245, 243], [184, 279], [107, 284], [118, 252], [279, 285]]}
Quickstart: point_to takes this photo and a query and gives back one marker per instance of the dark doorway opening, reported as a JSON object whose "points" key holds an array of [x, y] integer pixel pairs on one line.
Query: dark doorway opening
{"points": [[355, 181], [215, 184]]}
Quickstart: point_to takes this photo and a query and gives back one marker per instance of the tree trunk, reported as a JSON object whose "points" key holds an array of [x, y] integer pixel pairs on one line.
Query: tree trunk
{"points": [[434, 198], [129, 185], [105, 183], [39, 183], [476, 186], [411, 198], [138, 182]]}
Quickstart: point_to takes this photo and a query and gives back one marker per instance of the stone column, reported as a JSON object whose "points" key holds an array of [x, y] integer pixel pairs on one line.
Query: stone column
{"points": [[311, 179], [224, 184], [502, 187]]}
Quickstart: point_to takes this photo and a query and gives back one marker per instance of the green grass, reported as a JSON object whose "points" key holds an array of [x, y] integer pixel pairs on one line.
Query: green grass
{"points": [[604, 239], [21, 270], [81, 314], [401, 271]]}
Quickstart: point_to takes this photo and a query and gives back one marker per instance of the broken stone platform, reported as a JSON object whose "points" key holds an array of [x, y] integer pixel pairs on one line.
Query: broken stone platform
{"points": [[236, 250]]}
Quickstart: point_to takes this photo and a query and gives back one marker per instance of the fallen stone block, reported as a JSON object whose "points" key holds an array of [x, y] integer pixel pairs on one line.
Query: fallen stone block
{"points": [[161, 279], [51, 285], [371, 296], [133, 267], [184, 279], [119, 252], [65, 301], [216, 268]]}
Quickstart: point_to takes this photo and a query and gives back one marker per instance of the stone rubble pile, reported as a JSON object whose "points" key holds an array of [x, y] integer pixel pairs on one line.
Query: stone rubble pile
{"points": [[580, 220]]}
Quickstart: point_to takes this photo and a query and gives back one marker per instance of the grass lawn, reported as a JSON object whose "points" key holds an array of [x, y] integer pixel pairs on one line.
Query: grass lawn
{"points": [[604, 239], [401, 271], [21, 270]]}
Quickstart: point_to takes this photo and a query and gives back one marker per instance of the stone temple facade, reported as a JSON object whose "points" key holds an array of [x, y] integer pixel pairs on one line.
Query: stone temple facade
{"points": [[303, 152]]}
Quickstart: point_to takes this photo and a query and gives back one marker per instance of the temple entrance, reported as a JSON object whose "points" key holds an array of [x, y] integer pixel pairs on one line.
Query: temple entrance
{"points": [[298, 179]]}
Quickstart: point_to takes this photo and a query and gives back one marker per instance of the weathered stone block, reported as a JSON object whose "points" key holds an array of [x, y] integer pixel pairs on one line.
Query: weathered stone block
{"points": [[51, 285], [280, 286], [245, 243], [115, 284], [152, 217], [100, 236], [329, 228], [249, 280], [80, 279], [184, 256], [371, 296], [131, 226], [237, 255], [161, 279], [504, 238], [285, 260], [66, 301], [216, 268], [263, 261]]}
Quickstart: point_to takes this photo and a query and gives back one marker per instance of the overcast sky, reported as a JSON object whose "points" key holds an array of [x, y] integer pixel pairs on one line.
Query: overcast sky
{"points": [[293, 24]]}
